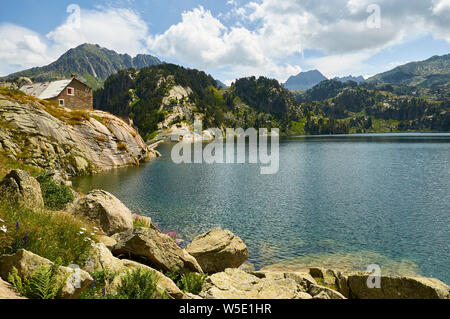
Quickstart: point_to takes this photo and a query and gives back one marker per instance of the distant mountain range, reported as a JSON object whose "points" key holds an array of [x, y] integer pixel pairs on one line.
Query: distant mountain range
{"points": [[356, 79], [431, 73], [309, 79], [91, 62]]}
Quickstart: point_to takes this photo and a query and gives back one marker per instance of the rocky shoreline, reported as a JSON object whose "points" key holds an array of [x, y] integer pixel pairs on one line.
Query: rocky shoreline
{"points": [[126, 241]]}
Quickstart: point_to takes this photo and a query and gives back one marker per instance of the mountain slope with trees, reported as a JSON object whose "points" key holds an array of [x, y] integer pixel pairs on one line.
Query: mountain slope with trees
{"points": [[433, 73], [150, 98]]}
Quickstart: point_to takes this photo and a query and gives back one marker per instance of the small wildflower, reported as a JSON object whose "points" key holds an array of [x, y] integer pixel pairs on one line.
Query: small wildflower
{"points": [[81, 232], [4, 229], [104, 292], [17, 226], [25, 239], [83, 229], [1, 220]]}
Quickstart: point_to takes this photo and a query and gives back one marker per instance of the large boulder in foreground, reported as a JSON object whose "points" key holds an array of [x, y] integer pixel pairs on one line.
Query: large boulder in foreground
{"points": [[100, 258], [237, 284], [27, 263], [397, 288], [22, 188], [105, 210], [157, 249], [7, 291], [218, 250]]}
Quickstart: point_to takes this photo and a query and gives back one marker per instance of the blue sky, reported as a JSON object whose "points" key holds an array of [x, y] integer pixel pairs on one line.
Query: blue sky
{"points": [[232, 38]]}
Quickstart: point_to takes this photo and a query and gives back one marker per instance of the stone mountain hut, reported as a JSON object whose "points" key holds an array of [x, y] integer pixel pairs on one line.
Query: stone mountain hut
{"points": [[70, 93]]}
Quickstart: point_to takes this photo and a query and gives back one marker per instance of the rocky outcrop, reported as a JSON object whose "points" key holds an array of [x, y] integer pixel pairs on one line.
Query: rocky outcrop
{"points": [[8, 292], [218, 250], [353, 285], [105, 210], [237, 284], [22, 188], [75, 142], [398, 288], [27, 263], [156, 249]]}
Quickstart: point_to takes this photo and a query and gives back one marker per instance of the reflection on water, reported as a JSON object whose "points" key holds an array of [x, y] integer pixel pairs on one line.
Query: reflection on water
{"points": [[384, 195]]}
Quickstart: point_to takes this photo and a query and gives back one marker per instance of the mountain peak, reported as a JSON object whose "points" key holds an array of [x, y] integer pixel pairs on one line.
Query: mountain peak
{"points": [[304, 80], [91, 62]]}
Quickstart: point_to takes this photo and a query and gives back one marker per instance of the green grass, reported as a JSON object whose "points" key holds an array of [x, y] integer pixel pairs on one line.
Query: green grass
{"points": [[7, 164], [49, 234]]}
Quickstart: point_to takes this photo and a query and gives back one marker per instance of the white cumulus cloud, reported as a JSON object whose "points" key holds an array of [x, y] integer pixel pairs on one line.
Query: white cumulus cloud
{"points": [[20, 48], [122, 30]]}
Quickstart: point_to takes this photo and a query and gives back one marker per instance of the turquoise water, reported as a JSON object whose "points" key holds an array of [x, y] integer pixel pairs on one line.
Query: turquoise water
{"points": [[350, 200]]}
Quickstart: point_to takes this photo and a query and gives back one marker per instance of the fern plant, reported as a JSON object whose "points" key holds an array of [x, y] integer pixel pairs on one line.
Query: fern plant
{"points": [[44, 283], [139, 284], [192, 282]]}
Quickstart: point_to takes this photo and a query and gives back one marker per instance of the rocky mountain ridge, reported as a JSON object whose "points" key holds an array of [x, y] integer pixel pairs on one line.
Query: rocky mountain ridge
{"points": [[433, 73]]}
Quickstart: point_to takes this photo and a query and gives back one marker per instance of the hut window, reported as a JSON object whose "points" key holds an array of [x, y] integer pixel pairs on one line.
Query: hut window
{"points": [[61, 102], [70, 91]]}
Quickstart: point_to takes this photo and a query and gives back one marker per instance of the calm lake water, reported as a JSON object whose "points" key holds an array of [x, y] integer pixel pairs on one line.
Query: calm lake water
{"points": [[337, 201]]}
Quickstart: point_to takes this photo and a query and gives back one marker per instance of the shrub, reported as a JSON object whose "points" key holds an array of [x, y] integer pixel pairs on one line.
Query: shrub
{"points": [[55, 196], [192, 282], [44, 283], [122, 146], [139, 284], [49, 234]]}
